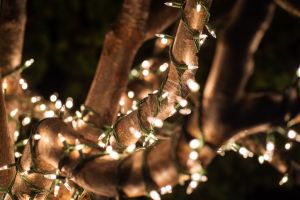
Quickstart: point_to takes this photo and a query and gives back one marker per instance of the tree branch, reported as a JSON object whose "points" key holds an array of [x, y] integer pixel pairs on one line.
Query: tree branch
{"points": [[184, 51], [12, 26], [7, 146], [289, 7], [120, 47], [232, 66]]}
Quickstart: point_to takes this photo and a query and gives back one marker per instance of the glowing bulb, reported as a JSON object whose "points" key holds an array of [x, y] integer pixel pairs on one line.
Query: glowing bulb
{"points": [[145, 72], [42, 107], [37, 136], [193, 184], [194, 143], [18, 154], [137, 134], [270, 146], [4, 84], [49, 113], [56, 190], [146, 64], [182, 102], [130, 94], [13, 112], [196, 177], [16, 135], [58, 104], [154, 195], [163, 67], [114, 155], [292, 134], [21, 81], [191, 67], [284, 179], [165, 95], [198, 7], [29, 62], [53, 97], [69, 103], [185, 111], [164, 41], [288, 146], [298, 72], [122, 102], [109, 149], [193, 85], [61, 138], [24, 86], [4, 167], [26, 121], [261, 159], [131, 148], [193, 155], [155, 122], [50, 176]]}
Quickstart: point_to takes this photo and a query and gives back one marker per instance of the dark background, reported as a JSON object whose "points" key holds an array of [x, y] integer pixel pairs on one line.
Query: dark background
{"points": [[65, 39]]}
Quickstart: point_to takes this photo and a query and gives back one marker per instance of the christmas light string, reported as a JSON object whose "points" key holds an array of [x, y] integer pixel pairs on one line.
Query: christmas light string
{"points": [[194, 143]]}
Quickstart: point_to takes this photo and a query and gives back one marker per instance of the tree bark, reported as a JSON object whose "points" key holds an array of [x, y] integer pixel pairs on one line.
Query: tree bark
{"points": [[232, 66], [7, 147], [121, 44]]}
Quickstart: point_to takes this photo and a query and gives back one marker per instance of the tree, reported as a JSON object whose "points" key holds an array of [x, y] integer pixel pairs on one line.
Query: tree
{"points": [[116, 146]]}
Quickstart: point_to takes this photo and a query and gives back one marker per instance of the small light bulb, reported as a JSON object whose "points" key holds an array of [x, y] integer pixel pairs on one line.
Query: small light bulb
{"points": [[163, 67], [154, 195], [58, 104], [194, 143], [69, 103], [53, 97], [130, 94], [193, 85], [29, 62], [193, 155], [198, 7], [26, 121], [291, 134]]}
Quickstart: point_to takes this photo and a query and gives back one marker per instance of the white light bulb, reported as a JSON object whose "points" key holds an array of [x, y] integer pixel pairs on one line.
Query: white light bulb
{"points": [[291, 134], [42, 107], [69, 102], [193, 155], [198, 7], [194, 143], [163, 67], [26, 121], [58, 104], [53, 97], [29, 62], [193, 85], [131, 148], [270, 146], [154, 195], [146, 64]]}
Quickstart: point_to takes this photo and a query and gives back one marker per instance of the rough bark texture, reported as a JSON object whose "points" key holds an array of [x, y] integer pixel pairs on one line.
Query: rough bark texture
{"points": [[7, 146], [133, 27], [184, 51]]}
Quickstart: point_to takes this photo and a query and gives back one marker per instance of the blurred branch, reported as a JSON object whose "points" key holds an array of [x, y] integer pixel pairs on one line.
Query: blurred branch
{"points": [[289, 7], [12, 28], [232, 66]]}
